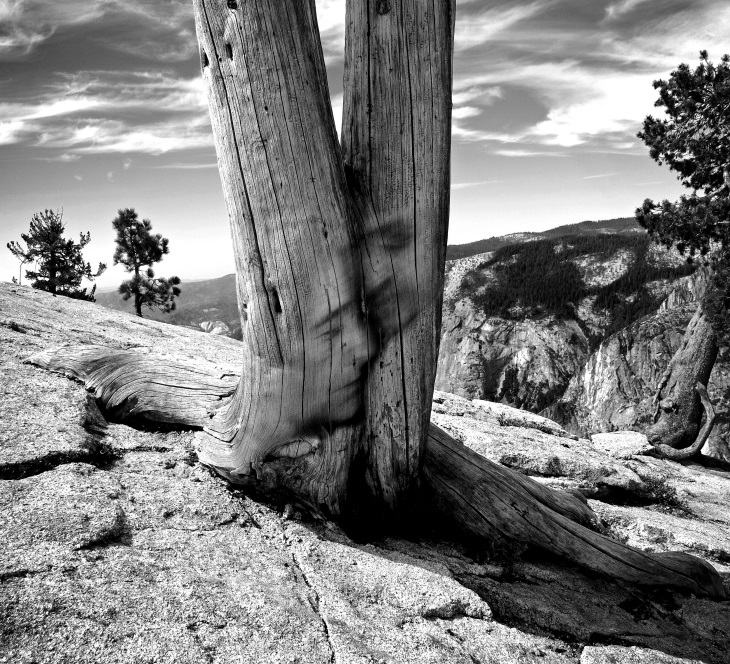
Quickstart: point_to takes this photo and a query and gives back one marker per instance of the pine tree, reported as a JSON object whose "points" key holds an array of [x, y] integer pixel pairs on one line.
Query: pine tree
{"points": [[693, 140], [60, 266], [138, 248]]}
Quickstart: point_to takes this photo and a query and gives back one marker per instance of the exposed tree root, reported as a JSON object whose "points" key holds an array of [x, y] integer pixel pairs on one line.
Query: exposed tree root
{"points": [[482, 499], [702, 436], [132, 385], [485, 500]]}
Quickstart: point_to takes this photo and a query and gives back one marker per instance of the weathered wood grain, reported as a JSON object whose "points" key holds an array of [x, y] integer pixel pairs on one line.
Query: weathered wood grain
{"points": [[704, 433], [340, 281], [135, 386], [299, 288], [396, 144]]}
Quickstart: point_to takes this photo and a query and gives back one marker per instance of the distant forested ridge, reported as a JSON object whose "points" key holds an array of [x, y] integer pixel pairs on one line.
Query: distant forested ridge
{"points": [[527, 275], [545, 277], [206, 300], [623, 225], [521, 320]]}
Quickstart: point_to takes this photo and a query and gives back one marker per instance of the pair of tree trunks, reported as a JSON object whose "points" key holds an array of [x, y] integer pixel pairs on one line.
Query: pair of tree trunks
{"points": [[340, 251]]}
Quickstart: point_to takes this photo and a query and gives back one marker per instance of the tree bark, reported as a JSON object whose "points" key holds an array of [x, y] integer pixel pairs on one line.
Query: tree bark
{"points": [[482, 500], [396, 146], [299, 289], [339, 257], [679, 408], [704, 433], [340, 279]]}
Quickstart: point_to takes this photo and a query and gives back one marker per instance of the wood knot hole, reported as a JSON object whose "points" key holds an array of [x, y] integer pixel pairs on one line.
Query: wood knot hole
{"points": [[204, 59], [382, 7], [229, 51], [232, 4], [274, 295]]}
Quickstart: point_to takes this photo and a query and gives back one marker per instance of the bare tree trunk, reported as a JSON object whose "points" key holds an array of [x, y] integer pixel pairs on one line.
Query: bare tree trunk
{"points": [[137, 295], [396, 144], [340, 294], [300, 291], [679, 407], [702, 436], [339, 258]]}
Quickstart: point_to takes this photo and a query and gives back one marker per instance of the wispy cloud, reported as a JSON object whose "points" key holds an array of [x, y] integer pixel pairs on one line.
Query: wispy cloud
{"points": [[622, 7], [466, 112], [474, 29], [110, 112], [331, 20], [521, 153], [468, 185], [531, 77], [464, 93], [185, 166], [24, 24], [584, 81], [598, 176]]}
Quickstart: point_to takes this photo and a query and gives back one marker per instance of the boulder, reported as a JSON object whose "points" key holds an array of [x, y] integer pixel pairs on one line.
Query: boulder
{"points": [[216, 327], [622, 444]]}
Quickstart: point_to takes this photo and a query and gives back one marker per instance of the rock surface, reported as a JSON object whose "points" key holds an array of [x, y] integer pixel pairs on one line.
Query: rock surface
{"points": [[615, 654], [116, 546], [623, 444]]}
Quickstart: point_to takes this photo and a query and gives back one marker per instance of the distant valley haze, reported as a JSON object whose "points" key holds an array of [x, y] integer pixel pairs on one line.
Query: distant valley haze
{"points": [[103, 108]]}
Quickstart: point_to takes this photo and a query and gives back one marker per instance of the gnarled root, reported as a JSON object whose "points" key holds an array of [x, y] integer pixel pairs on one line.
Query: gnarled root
{"points": [[488, 501], [131, 385], [702, 436], [480, 498]]}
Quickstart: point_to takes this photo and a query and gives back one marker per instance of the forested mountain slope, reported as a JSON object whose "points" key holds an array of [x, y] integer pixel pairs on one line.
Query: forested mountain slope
{"points": [[624, 225], [520, 322], [204, 301]]}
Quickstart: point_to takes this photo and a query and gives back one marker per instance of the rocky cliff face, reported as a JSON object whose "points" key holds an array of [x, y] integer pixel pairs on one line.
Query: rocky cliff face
{"points": [[526, 363], [527, 355], [615, 388]]}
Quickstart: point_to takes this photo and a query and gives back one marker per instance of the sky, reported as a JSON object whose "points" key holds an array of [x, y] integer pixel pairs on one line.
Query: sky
{"points": [[102, 107]]}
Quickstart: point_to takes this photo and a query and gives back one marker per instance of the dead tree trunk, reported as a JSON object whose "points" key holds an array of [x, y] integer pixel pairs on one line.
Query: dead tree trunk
{"points": [[340, 259], [340, 267], [678, 403]]}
